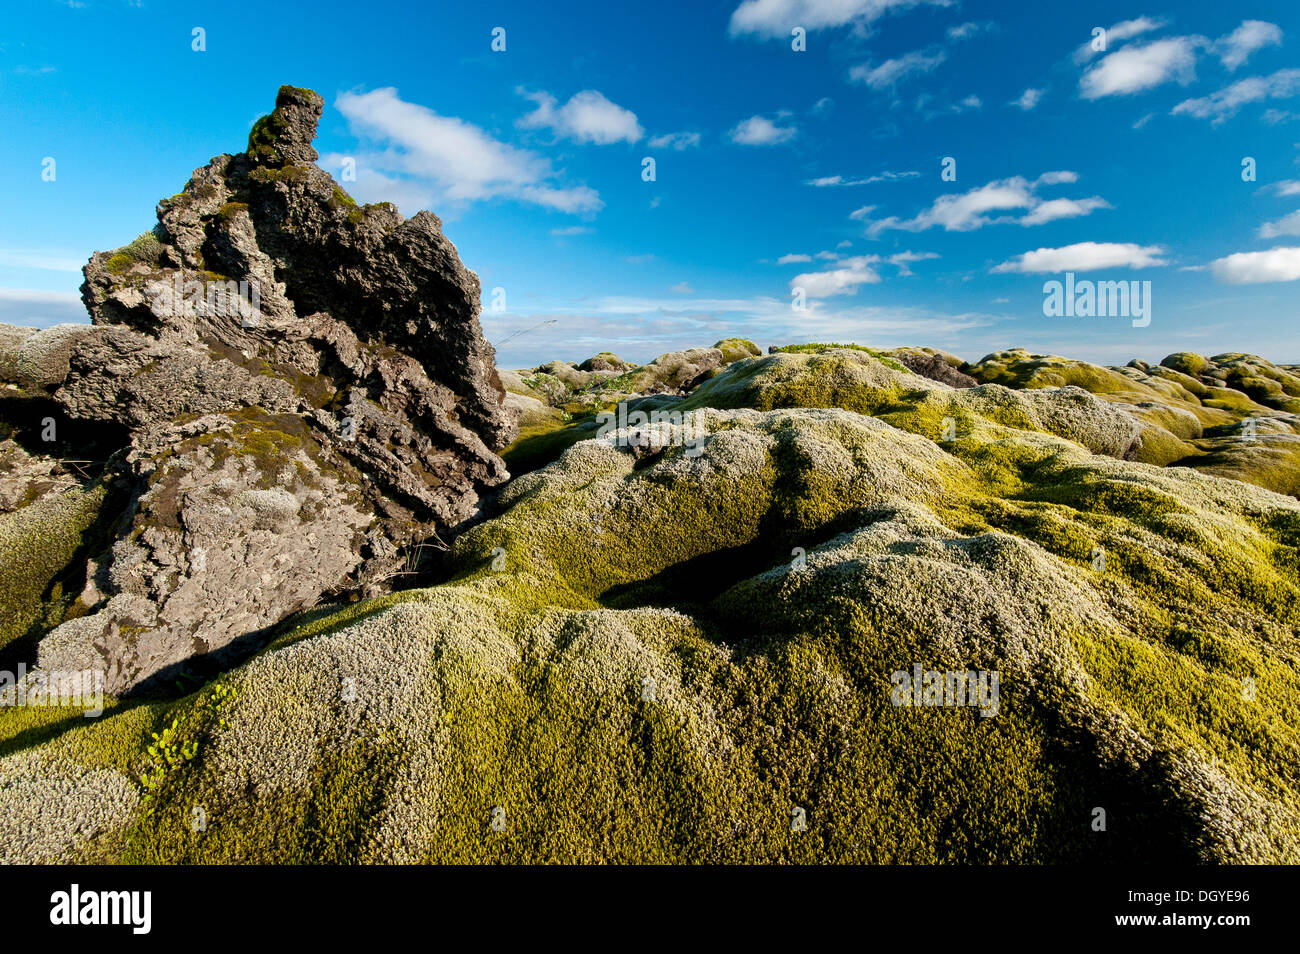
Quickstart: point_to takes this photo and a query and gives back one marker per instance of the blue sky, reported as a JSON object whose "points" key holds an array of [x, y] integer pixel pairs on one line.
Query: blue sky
{"points": [[775, 168]]}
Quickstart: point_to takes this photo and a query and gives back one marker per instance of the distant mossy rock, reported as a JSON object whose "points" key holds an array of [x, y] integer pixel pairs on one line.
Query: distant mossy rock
{"points": [[735, 349], [676, 372], [854, 379], [605, 361], [656, 659], [1194, 411]]}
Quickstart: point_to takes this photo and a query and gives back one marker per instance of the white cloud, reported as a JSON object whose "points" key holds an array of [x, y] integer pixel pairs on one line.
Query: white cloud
{"points": [[861, 214], [887, 176], [775, 18], [1284, 187], [1054, 209], [588, 117], [1275, 116], [792, 258], [1028, 99], [964, 31], [1236, 47], [678, 141], [1287, 225], [842, 280], [903, 259], [1248, 268], [429, 157], [891, 72], [42, 260], [1085, 257], [1133, 69], [966, 211], [761, 131], [1221, 106], [1143, 120], [1124, 30], [571, 230], [681, 288], [40, 309]]}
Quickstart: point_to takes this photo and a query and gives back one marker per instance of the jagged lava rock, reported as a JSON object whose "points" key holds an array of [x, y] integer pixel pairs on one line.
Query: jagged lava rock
{"points": [[307, 392]]}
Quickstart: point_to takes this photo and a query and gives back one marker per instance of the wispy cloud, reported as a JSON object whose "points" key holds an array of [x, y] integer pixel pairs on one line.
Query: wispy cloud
{"points": [[1221, 106], [770, 19], [1028, 99], [1287, 225], [1236, 47], [1118, 33], [828, 181], [974, 209], [677, 140], [894, 71], [43, 260]]}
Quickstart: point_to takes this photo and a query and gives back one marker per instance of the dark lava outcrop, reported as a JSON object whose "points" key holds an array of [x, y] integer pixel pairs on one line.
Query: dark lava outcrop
{"points": [[304, 395]]}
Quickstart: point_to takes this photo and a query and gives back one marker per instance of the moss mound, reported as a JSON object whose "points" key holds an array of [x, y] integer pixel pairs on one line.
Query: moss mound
{"points": [[690, 654]]}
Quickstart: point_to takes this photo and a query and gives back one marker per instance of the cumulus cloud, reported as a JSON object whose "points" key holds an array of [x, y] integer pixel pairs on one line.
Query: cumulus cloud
{"points": [[1248, 268], [1221, 106], [761, 131], [775, 18], [678, 141], [420, 157], [1287, 225], [1236, 47], [588, 117], [1133, 69], [792, 258], [1028, 99], [844, 279], [1084, 257], [891, 72], [971, 210]]}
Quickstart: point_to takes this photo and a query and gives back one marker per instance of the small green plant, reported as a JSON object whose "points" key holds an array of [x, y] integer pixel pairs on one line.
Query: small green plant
{"points": [[170, 752]]}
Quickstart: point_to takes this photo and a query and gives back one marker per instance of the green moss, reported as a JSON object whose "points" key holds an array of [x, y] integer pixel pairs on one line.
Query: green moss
{"points": [[144, 248], [816, 348], [37, 546]]}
